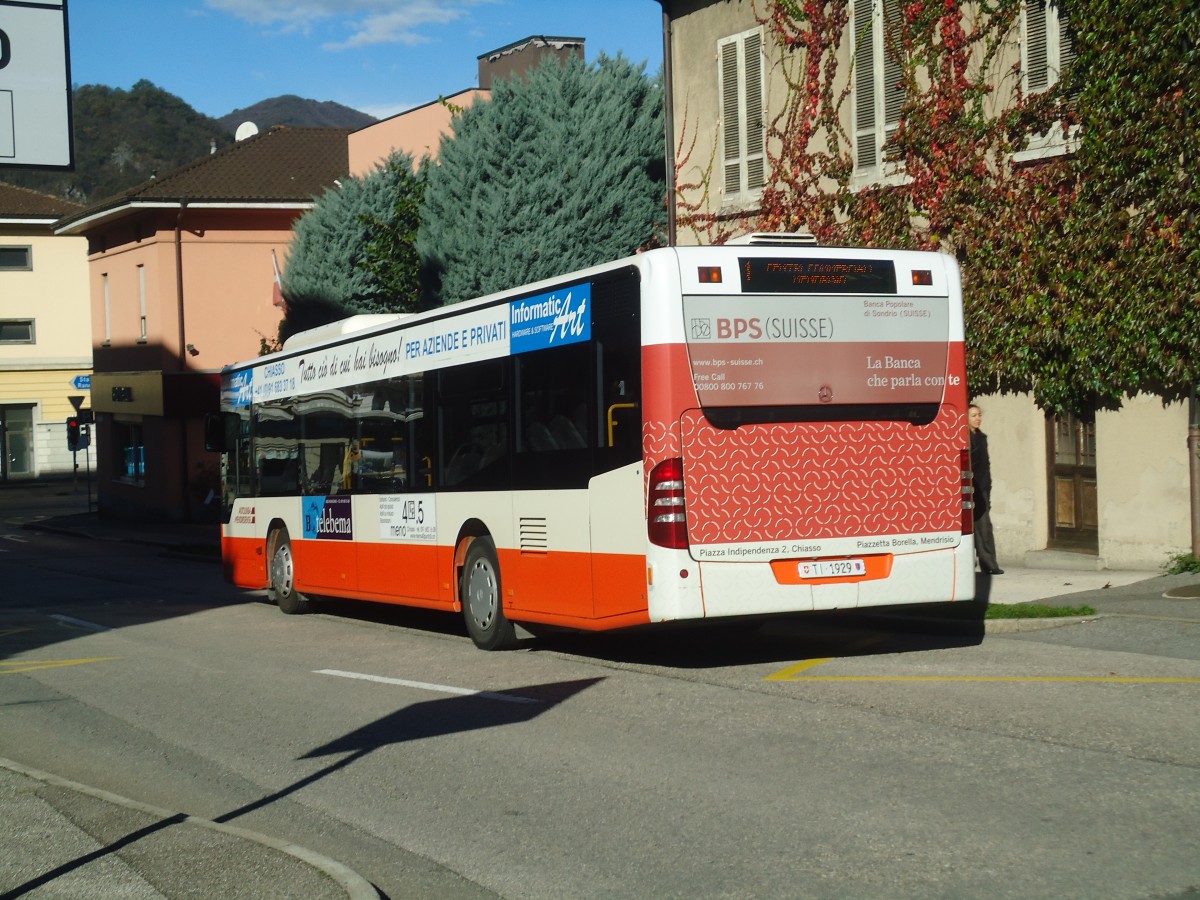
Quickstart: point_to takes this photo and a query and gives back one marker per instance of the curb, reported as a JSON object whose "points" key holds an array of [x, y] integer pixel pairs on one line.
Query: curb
{"points": [[1011, 626], [356, 887], [978, 626]]}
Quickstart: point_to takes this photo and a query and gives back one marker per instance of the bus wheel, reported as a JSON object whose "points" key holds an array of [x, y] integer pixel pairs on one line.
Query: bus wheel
{"points": [[282, 566], [481, 598]]}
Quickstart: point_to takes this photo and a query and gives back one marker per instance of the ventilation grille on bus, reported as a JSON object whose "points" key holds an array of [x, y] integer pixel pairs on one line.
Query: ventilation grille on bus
{"points": [[534, 535], [765, 239]]}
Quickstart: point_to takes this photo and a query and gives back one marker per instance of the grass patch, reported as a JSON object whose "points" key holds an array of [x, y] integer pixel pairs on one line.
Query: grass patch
{"points": [[1035, 611], [1182, 563]]}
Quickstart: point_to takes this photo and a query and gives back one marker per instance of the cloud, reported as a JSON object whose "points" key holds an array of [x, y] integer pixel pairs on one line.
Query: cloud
{"points": [[368, 21]]}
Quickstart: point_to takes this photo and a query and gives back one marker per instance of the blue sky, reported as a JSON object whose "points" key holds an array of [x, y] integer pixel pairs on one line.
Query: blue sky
{"points": [[378, 56]]}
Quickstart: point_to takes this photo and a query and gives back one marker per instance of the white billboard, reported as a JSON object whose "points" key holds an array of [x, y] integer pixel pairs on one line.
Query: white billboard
{"points": [[35, 85]]}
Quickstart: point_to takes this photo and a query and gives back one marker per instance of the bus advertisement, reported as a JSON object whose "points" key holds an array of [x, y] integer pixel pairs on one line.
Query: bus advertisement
{"points": [[689, 433]]}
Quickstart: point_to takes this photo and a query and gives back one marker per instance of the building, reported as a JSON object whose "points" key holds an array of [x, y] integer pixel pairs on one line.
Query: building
{"points": [[1105, 490], [181, 278], [419, 130], [45, 341]]}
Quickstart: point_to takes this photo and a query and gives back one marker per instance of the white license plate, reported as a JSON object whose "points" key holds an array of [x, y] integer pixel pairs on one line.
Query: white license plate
{"points": [[832, 568]]}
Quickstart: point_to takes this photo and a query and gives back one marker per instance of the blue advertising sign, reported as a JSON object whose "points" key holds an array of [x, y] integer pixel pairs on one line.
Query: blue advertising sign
{"points": [[328, 518], [242, 384], [82, 382], [562, 316]]}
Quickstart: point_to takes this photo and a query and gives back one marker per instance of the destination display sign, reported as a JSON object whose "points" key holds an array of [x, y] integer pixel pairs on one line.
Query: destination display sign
{"points": [[763, 275]]}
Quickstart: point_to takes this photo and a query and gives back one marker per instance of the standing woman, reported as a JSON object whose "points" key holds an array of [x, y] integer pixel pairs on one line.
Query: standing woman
{"points": [[981, 465]]}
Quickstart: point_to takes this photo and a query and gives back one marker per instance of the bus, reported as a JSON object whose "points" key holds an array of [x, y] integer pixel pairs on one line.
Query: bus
{"points": [[691, 433]]}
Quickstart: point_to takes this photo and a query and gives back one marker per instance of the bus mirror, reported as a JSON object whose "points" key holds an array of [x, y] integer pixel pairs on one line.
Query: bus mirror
{"points": [[221, 431]]}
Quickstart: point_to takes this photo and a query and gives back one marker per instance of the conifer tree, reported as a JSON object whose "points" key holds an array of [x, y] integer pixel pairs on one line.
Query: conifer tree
{"points": [[562, 168], [355, 250]]}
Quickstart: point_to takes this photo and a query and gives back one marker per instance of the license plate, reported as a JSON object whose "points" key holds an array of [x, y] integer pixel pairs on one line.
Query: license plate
{"points": [[832, 568]]}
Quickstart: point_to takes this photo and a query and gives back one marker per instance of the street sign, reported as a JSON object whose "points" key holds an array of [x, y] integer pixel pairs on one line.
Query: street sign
{"points": [[76, 401], [35, 85], [82, 382]]}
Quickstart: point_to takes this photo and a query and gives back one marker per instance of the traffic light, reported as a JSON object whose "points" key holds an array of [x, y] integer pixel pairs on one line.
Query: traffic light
{"points": [[73, 440]]}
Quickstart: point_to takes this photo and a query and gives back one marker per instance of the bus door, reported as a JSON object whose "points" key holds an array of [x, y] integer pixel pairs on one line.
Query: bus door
{"points": [[398, 444], [552, 462]]}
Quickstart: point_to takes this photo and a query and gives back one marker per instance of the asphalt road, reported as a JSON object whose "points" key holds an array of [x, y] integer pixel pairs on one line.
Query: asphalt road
{"points": [[816, 757]]}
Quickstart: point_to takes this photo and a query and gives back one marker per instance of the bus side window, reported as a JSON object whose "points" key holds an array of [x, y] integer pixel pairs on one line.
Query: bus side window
{"points": [[621, 407], [473, 405]]}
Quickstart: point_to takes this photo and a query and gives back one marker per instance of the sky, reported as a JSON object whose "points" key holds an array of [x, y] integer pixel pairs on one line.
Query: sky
{"points": [[377, 56]]}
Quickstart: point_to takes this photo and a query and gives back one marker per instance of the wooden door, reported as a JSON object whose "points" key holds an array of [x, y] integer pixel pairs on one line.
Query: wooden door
{"points": [[1074, 522]]}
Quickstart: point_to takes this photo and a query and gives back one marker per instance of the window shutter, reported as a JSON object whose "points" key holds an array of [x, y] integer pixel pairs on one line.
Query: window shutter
{"points": [[893, 71], [1036, 61], [755, 126], [730, 118], [864, 85], [1066, 43]]}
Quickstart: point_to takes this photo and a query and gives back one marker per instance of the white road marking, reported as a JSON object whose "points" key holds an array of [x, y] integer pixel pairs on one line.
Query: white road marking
{"points": [[426, 686], [80, 623]]}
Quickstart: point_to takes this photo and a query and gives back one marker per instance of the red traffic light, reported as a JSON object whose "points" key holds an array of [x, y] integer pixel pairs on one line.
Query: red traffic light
{"points": [[73, 433]]}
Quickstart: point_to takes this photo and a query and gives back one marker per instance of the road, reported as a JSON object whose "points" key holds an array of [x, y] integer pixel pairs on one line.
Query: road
{"points": [[813, 758]]}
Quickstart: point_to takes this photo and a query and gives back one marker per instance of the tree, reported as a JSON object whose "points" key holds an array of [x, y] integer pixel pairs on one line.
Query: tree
{"points": [[355, 250], [1081, 275], [561, 169]]}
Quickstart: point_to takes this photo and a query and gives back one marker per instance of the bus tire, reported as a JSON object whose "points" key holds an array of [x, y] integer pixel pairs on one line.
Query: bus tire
{"points": [[482, 601], [281, 586]]}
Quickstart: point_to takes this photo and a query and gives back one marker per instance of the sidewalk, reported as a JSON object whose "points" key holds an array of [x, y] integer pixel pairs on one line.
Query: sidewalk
{"points": [[70, 840], [77, 841]]}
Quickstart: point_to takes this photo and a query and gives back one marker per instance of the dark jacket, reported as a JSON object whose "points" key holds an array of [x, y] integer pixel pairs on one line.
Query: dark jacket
{"points": [[981, 466]]}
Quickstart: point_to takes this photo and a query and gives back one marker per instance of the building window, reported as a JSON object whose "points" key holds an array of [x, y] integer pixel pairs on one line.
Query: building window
{"points": [[743, 132], [1046, 44], [1047, 49], [16, 259], [130, 455], [141, 270], [17, 331], [878, 85], [107, 311]]}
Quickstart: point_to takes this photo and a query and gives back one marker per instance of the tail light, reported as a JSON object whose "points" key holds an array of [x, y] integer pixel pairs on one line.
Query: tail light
{"points": [[968, 493], [666, 518]]}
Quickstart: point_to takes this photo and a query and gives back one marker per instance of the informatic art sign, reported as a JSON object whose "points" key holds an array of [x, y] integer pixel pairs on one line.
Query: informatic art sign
{"points": [[35, 85], [539, 322]]}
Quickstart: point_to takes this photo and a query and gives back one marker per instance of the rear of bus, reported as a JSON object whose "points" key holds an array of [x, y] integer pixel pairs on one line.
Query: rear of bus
{"points": [[805, 431]]}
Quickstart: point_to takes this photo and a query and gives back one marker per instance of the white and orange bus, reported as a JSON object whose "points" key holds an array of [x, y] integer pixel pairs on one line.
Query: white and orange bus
{"points": [[689, 433]]}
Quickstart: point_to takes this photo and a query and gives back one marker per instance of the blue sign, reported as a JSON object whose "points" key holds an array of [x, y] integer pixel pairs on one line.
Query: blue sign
{"points": [[242, 385], [328, 518], [82, 382], [560, 317]]}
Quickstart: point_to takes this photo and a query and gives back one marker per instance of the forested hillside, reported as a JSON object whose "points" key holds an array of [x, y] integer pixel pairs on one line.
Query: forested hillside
{"points": [[124, 137], [298, 112]]}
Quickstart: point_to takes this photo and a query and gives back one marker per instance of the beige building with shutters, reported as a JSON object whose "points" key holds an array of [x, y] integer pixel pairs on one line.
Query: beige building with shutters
{"points": [[1107, 491]]}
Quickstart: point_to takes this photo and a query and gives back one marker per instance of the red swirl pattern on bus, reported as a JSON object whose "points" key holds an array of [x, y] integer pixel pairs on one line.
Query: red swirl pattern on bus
{"points": [[821, 480]]}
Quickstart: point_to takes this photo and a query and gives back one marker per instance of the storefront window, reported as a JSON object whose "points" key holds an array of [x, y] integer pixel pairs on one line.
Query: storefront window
{"points": [[130, 456]]}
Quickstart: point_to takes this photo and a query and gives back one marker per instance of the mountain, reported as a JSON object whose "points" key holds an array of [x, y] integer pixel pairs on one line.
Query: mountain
{"points": [[123, 138], [292, 110]]}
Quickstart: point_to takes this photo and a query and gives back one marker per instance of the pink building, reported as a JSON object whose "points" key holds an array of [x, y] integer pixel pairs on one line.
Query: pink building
{"points": [[181, 280]]}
